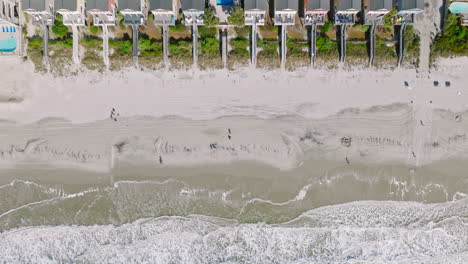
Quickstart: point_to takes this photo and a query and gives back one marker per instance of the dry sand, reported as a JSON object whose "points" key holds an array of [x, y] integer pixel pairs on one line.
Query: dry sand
{"points": [[66, 121]]}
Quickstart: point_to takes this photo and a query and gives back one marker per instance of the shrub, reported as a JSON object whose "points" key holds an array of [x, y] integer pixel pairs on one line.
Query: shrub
{"points": [[35, 43], [237, 17], [150, 47], [207, 32], [325, 45], [240, 44], [242, 32], [209, 46], [210, 20], [59, 29], [180, 47], [94, 29], [455, 39], [121, 46], [326, 27], [177, 28]]}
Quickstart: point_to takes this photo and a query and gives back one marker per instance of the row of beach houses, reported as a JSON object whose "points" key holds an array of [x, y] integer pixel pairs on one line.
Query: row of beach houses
{"points": [[283, 13]]}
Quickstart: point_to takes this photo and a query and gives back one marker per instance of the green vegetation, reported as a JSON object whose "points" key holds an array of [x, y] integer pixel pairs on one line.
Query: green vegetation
{"points": [[388, 18], [269, 47], [207, 32], [326, 27], [150, 47], [209, 46], [120, 21], [326, 46], [59, 29], [295, 47], [268, 57], [92, 43], [35, 53], [243, 32], [94, 29], [121, 47], [240, 44], [237, 17], [65, 43], [210, 20], [35, 43], [454, 41], [177, 28], [180, 48], [411, 40]]}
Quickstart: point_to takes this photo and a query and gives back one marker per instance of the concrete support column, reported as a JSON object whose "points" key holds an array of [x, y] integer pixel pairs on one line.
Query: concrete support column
{"points": [[165, 45], [45, 42], [105, 45], [224, 46], [401, 44], [135, 44], [76, 50], [372, 45], [343, 43], [195, 44], [313, 43], [283, 46], [253, 48]]}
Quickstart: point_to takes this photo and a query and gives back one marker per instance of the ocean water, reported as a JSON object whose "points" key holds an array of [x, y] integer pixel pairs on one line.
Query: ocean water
{"points": [[238, 213]]}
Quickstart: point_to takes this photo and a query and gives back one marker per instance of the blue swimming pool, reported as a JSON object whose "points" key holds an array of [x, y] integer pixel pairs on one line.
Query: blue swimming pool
{"points": [[458, 7], [225, 2], [8, 44]]}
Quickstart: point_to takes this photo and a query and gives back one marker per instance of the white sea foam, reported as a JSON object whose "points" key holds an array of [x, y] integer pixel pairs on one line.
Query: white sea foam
{"points": [[358, 232]]}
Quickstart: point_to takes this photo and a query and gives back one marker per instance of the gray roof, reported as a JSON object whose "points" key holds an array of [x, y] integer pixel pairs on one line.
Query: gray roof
{"points": [[255, 4], [65, 4], [381, 4], [410, 4], [161, 4], [348, 4], [38, 5], [97, 4], [318, 4], [129, 4], [287, 4], [193, 4]]}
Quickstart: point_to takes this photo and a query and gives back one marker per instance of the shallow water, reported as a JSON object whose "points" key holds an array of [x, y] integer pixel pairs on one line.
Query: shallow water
{"points": [[238, 213]]}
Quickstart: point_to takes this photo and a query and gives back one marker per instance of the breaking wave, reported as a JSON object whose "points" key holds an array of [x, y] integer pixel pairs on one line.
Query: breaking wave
{"points": [[357, 232]]}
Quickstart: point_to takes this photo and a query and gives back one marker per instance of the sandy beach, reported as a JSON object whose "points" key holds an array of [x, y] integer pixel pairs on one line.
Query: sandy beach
{"points": [[257, 165]]}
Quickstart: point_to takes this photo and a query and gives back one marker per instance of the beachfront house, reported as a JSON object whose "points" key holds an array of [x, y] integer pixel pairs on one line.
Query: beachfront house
{"points": [[194, 11], [134, 12], [103, 13], [346, 15], [164, 15], [163, 11], [347, 11], [73, 14], [9, 11], [42, 14], [285, 12], [375, 11], [255, 12], [409, 4], [461, 10], [254, 15], [316, 11], [316, 14], [285, 15], [463, 18]]}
